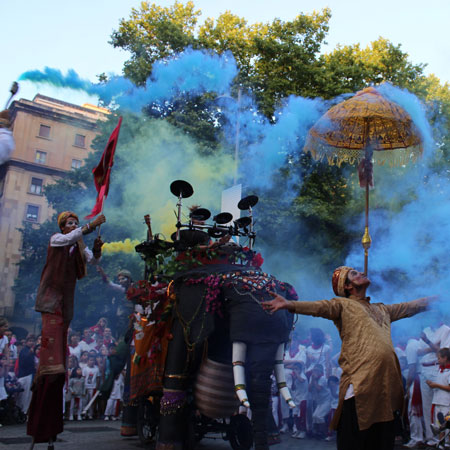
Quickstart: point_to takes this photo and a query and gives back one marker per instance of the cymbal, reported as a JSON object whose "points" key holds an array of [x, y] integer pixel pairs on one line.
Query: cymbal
{"points": [[243, 222], [223, 218], [200, 214], [248, 202], [181, 187], [191, 237]]}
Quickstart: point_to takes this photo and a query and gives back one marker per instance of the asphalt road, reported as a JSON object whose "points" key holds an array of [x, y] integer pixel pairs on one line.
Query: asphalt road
{"points": [[101, 435]]}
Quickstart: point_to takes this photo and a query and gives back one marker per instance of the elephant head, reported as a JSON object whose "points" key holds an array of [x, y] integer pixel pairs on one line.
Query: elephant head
{"points": [[221, 304]]}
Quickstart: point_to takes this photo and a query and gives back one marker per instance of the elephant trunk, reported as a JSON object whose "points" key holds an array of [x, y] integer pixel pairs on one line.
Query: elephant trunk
{"points": [[281, 376], [238, 356]]}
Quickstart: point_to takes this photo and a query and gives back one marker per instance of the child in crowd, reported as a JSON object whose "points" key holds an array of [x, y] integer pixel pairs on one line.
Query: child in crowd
{"points": [[441, 386], [320, 397], [77, 390], [299, 392], [84, 359], [91, 375], [333, 386], [113, 406]]}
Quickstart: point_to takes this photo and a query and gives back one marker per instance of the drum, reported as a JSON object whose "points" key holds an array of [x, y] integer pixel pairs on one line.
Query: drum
{"points": [[214, 390]]}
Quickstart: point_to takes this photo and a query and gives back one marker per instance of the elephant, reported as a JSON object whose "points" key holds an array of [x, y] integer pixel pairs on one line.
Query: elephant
{"points": [[217, 311]]}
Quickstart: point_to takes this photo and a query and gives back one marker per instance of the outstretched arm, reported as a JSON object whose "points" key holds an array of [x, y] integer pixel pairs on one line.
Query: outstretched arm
{"points": [[328, 309], [399, 311]]}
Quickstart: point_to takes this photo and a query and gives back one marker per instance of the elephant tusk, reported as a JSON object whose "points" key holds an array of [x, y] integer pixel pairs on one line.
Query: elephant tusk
{"points": [[280, 376], [239, 355]]}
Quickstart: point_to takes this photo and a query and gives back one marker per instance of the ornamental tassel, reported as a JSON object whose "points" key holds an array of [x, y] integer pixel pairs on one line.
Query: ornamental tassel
{"points": [[365, 173]]}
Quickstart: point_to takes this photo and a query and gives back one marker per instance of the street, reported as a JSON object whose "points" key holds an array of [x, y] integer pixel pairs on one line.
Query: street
{"points": [[101, 435]]}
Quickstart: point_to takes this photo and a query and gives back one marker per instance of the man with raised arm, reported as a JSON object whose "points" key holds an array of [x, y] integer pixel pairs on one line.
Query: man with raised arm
{"points": [[67, 256], [371, 389]]}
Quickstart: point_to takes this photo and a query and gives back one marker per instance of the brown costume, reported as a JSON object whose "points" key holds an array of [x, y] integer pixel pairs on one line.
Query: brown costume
{"points": [[367, 359], [55, 299]]}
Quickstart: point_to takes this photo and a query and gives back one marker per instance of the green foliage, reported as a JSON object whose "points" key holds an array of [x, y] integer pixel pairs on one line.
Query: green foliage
{"points": [[276, 60], [349, 68]]}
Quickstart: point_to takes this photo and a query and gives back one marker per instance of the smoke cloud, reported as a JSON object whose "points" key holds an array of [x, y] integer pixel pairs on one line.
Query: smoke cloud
{"points": [[410, 211], [192, 71]]}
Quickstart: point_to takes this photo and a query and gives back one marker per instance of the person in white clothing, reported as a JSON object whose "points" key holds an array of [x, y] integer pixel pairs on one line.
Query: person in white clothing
{"points": [[74, 346], [431, 342], [318, 352], [91, 374], [413, 392], [441, 386], [115, 398], [87, 343], [4, 357], [299, 391], [320, 397], [7, 144]]}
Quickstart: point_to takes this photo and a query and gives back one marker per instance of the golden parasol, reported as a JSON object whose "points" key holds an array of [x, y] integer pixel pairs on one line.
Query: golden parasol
{"points": [[365, 129]]}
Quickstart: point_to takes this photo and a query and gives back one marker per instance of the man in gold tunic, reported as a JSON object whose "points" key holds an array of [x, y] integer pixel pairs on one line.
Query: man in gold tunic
{"points": [[371, 388]]}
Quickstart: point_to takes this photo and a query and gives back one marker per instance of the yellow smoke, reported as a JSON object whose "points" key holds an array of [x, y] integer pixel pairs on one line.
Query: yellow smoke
{"points": [[126, 246]]}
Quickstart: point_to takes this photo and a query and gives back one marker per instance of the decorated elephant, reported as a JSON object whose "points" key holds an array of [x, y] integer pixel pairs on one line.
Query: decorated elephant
{"points": [[217, 314], [204, 296]]}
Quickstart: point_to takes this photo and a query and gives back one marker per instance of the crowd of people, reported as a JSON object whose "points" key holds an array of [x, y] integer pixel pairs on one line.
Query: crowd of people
{"points": [[88, 366], [313, 376]]}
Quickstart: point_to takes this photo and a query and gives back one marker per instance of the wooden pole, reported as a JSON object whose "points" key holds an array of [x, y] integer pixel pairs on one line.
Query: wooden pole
{"points": [[366, 239]]}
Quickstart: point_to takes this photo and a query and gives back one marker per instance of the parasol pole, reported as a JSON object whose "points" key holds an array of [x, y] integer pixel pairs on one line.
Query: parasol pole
{"points": [[366, 239]]}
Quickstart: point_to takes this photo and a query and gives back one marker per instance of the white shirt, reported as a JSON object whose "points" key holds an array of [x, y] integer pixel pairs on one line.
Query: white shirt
{"points": [[85, 347], [90, 375], [441, 397], [62, 240], [412, 357], [3, 343], [317, 356], [76, 351], [6, 145]]}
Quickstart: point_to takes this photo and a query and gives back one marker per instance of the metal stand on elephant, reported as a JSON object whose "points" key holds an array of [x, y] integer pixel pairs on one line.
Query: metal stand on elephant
{"points": [[219, 345]]}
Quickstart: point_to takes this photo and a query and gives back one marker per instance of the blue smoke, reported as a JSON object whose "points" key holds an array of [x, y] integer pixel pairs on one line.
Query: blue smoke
{"points": [[192, 71], [410, 221]]}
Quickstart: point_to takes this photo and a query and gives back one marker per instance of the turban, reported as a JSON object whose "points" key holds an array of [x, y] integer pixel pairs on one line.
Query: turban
{"points": [[124, 273], [62, 218], [339, 278]]}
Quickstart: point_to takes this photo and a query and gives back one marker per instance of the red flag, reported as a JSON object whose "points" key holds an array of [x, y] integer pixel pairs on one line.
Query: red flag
{"points": [[103, 170]]}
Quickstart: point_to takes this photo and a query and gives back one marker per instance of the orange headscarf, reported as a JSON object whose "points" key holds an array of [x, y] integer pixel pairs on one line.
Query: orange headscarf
{"points": [[338, 280], [62, 218]]}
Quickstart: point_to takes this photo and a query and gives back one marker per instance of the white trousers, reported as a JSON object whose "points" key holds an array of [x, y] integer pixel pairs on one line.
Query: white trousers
{"points": [[24, 398], [428, 373]]}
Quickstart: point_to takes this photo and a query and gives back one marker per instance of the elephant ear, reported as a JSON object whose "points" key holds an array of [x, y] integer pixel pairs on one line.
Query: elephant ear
{"points": [[291, 293]]}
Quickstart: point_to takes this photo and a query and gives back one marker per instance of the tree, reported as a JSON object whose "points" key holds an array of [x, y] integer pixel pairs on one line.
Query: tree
{"points": [[275, 59]]}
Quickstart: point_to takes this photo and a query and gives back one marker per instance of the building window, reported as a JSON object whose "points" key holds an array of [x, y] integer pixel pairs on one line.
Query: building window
{"points": [[76, 163], [36, 186], [44, 131], [41, 157], [32, 213], [80, 140]]}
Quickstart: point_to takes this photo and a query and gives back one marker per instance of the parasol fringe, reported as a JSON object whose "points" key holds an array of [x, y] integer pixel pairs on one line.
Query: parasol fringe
{"points": [[337, 156]]}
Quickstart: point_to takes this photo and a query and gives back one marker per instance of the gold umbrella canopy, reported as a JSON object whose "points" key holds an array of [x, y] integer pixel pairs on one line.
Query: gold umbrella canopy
{"points": [[365, 128], [366, 122]]}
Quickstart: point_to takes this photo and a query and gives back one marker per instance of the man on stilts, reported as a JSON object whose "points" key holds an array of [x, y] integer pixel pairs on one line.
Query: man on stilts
{"points": [[67, 256]]}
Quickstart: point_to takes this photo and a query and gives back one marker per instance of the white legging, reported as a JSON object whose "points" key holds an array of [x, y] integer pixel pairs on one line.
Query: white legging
{"points": [[111, 407], [76, 402]]}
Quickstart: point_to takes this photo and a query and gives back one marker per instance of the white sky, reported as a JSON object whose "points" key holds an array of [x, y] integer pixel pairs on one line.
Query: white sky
{"points": [[64, 35]]}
